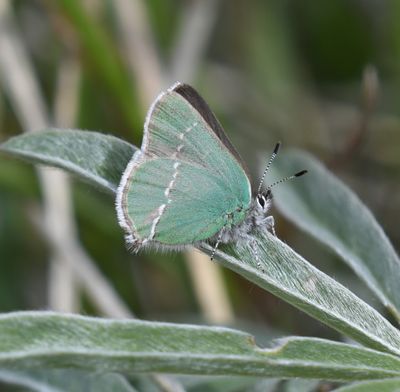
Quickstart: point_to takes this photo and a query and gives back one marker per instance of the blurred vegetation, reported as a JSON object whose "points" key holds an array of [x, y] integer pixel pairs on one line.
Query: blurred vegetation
{"points": [[322, 76]]}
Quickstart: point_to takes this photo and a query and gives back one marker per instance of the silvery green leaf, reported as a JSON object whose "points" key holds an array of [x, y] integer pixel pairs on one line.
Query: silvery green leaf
{"points": [[65, 380], [265, 385], [299, 385], [227, 384], [372, 386], [97, 158], [327, 209], [286, 274], [37, 340], [274, 266]]}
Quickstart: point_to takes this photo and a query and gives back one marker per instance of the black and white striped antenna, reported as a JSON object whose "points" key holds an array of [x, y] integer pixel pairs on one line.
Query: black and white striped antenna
{"points": [[274, 154]]}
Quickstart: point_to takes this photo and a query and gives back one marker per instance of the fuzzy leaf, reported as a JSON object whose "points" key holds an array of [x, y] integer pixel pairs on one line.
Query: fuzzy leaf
{"points": [[372, 386], [97, 158], [65, 380], [281, 270], [228, 383], [323, 206], [274, 266], [299, 385], [37, 340]]}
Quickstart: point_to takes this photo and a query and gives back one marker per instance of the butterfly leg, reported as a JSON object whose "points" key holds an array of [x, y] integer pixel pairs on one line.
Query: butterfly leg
{"points": [[219, 239], [133, 244], [270, 223], [254, 250], [256, 254]]}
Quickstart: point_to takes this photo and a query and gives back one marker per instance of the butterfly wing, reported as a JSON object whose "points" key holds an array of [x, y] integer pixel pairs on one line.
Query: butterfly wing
{"points": [[185, 184], [198, 103], [177, 203]]}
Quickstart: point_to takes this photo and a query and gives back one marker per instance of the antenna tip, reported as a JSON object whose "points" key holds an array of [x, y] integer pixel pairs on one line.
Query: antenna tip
{"points": [[276, 149], [301, 173]]}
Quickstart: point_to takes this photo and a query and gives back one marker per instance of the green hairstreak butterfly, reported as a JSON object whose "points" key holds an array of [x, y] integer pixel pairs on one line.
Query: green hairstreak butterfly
{"points": [[188, 184]]}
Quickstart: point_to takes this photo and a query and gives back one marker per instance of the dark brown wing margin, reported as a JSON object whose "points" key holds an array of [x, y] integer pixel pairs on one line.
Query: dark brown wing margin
{"points": [[193, 97]]}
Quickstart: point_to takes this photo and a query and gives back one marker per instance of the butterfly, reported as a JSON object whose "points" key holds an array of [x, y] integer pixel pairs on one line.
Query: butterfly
{"points": [[187, 184]]}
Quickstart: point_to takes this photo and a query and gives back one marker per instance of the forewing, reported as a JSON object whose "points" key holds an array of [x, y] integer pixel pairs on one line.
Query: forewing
{"points": [[198, 103], [180, 124], [177, 203]]}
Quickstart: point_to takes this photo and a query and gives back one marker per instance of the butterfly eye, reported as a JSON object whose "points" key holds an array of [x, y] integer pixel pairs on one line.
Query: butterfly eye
{"points": [[261, 200]]}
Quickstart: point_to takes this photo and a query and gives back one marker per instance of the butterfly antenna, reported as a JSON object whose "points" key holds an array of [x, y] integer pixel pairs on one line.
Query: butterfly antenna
{"points": [[274, 154], [287, 178]]}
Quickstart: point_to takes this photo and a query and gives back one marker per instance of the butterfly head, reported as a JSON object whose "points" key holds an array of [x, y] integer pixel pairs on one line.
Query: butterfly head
{"points": [[263, 200], [264, 197]]}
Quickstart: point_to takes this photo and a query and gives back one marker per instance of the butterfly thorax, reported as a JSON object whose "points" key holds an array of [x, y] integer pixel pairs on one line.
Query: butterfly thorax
{"points": [[256, 218]]}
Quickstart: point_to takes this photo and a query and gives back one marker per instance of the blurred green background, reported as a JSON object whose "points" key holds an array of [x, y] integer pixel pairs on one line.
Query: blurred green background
{"points": [[318, 75]]}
